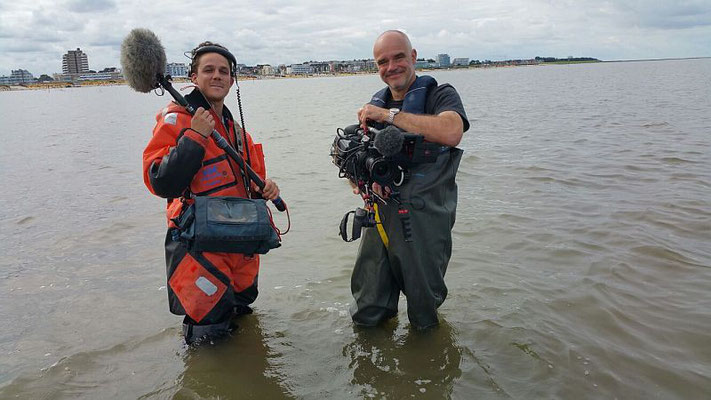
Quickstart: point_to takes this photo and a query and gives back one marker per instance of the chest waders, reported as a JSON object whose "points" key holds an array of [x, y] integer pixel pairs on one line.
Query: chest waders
{"points": [[386, 263]]}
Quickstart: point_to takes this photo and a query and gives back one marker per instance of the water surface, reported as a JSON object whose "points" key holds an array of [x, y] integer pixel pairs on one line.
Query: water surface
{"points": [[581, 264]]}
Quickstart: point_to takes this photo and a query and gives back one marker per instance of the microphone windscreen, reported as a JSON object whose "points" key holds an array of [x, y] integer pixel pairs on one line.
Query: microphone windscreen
{"points": [[142, 59], [389, 141]]}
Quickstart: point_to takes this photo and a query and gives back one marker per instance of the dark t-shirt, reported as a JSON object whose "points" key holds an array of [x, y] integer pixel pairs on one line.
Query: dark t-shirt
{"points": [[442, 98]]}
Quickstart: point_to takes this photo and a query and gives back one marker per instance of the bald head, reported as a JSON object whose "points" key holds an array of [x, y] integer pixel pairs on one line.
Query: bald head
{"points": [[393, 36]]}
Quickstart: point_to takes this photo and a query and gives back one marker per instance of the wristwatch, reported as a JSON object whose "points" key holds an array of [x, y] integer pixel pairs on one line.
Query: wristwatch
{"points": [[391, 116]]}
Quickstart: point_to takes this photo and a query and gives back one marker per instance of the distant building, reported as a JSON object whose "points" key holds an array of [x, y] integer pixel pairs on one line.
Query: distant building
{"points": [[340, 66], [281, 69], [460, 61], [108, 74], [176, 69], [422, 63], [265, 69], [443, 60], [249, 70], [101, 76], [320, 67], [75, 62], [22, 76], [63, 77], [17, 76], [363, 65], [300, 69]]}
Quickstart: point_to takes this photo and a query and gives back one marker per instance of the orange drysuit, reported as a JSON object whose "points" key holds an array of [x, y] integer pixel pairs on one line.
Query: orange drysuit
{"points": [[204, 286]]}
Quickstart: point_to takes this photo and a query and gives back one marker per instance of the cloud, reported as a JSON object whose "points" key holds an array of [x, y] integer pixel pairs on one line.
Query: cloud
{"points": [[35, 34], [88, 6], [669, 15]]}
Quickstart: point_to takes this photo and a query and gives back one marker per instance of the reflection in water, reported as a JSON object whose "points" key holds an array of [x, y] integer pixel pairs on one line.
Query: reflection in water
{"points": [[388, 364], [236, 368]]}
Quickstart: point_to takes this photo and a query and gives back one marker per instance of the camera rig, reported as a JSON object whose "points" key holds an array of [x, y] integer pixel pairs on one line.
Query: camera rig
{"points": [[382, 157]]}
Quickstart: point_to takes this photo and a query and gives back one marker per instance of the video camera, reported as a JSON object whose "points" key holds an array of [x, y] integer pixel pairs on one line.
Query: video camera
{"points": [[381, 156]]}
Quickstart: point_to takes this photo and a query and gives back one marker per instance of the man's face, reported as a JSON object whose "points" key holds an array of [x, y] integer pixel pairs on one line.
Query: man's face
{"points": [[213, 76], [396, 61]]}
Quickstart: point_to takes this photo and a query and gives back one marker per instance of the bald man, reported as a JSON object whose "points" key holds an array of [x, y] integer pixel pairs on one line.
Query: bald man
{"points": [[387, 263]]}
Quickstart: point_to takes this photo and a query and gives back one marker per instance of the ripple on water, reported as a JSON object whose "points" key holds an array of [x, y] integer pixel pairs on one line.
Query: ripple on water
{"points": [[25, 220], [662, 254], [655, 125], [677, 160]]}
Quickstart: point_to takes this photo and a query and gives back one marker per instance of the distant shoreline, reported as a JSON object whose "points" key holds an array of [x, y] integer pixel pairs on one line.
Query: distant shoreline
{"points": [[658, 59], [70, 85]]}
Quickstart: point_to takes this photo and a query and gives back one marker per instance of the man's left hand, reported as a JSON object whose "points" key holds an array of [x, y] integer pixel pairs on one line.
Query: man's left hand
{"points": [[270, 191], [370, 112]]}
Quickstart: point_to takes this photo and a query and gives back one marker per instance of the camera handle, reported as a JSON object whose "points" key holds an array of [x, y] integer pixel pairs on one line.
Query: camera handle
{"points": [[361, 218], [343, 228]]}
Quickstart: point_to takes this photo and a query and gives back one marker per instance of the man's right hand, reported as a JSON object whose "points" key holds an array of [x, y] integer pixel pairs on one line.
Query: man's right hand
{"points": [[370, 112], [202, 122]]}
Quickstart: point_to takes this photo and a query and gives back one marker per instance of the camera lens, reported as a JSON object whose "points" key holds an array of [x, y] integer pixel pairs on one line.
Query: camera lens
{"points": [[380, 170]]}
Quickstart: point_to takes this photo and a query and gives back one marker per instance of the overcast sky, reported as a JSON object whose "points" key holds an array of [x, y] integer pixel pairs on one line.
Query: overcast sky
{"points": [[34, 34]]}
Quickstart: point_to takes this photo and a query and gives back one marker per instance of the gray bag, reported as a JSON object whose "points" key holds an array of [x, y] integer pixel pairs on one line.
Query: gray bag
{"points": [[227, 224]]}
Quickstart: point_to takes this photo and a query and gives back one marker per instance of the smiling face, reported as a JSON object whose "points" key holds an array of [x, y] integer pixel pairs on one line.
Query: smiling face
{"points": [[395, 58], [213, 77]]}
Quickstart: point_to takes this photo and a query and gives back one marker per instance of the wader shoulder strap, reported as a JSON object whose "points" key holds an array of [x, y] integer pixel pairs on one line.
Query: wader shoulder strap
{"points": [[415, 98]]}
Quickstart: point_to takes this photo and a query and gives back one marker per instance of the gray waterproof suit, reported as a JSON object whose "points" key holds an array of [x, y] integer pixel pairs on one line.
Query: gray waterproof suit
{"points": [[416, 268]]}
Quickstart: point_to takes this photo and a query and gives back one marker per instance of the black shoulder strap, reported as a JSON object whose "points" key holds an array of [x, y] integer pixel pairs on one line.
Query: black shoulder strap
{"points": [[243, 140]]}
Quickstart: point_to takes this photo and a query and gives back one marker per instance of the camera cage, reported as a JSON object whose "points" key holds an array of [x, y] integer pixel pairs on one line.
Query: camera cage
{"points": [[354, 153], [358, 160]]}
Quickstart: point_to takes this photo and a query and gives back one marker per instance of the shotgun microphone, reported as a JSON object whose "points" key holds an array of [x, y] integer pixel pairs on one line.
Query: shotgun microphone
{"points": [[389, 141], [142, 60]]}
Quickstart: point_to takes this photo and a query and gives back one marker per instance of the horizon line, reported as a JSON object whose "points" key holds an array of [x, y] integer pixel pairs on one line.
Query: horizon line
{"points": [[511, 59]]}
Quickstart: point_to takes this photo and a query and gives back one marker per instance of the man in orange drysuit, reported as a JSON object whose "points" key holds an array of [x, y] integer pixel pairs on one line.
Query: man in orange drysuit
{"points": [[181, 159]]}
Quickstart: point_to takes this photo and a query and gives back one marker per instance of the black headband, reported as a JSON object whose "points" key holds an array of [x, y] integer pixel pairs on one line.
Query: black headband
{"points": [[219, 50]]}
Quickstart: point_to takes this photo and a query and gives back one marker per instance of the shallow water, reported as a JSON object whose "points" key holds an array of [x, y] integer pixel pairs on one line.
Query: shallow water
{"points": [[581, 264]]}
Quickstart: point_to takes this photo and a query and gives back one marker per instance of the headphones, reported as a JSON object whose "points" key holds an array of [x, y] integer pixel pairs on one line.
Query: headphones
{"points": [[215, 49]]}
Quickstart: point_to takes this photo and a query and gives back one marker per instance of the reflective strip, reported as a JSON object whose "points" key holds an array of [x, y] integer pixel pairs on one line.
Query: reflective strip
{"points": [[206, 286], [171, 118], [381, 230]]}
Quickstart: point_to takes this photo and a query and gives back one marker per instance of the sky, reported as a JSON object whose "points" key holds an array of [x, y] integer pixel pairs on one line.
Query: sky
{"points": [[34, 34]]}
